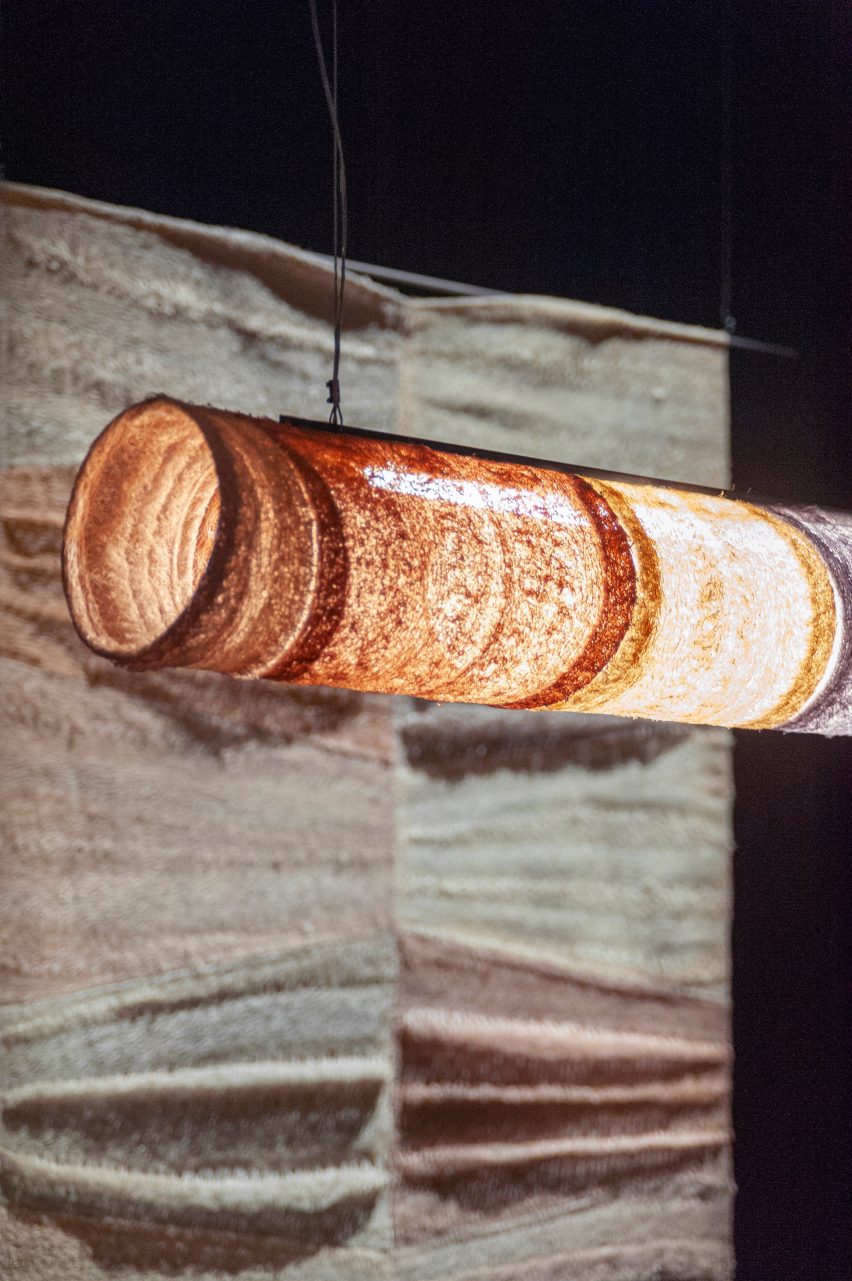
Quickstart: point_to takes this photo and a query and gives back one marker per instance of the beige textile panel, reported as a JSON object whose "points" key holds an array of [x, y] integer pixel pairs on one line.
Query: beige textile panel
{"points": [[307, 984]]}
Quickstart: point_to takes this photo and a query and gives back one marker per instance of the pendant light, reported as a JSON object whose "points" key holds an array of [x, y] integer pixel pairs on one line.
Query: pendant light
{"points": [[315, 554]]}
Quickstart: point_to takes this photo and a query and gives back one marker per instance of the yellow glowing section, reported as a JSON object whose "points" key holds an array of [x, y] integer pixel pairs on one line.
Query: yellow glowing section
{"points": [[726, 647]]}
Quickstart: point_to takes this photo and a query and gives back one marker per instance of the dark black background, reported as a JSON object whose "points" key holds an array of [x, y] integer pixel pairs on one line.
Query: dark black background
{"points": [[574, 150]]}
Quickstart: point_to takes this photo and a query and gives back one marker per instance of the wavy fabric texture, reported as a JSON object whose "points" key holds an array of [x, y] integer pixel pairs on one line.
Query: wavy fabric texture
{"points": [[304, 983]]}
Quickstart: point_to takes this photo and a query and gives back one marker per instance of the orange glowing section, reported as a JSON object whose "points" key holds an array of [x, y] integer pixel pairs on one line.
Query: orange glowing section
{"points": [[200, 538]]}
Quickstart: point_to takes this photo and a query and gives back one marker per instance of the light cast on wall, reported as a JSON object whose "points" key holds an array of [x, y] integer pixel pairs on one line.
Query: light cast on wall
{"points": [[202, 538]]}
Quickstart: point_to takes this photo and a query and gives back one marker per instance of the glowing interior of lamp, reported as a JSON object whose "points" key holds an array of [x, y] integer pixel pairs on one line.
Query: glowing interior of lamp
{"points": [[201, 538], [140, 534]]}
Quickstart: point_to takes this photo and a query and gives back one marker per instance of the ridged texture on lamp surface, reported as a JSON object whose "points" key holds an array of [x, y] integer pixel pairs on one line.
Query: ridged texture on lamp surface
{"points": [[201, 538]]}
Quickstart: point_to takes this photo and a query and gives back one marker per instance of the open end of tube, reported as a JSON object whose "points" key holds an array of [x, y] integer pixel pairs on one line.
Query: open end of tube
{"points": [[140, 529]]}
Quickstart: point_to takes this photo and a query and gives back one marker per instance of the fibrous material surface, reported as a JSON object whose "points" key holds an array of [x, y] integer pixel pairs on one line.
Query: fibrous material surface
{"points": [[200, 538], [303, 983]]}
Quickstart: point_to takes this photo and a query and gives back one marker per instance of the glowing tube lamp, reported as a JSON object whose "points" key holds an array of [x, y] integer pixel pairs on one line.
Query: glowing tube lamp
{"points": [[300, 553]]}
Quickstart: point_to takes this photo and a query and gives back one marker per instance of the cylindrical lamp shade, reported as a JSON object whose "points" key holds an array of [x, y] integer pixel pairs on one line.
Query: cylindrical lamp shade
{"points": [[201, 538]]}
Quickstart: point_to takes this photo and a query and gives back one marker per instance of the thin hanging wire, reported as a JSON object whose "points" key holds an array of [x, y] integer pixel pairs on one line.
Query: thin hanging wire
{"points": [[726, 197], [726, 174], [339, 219]]}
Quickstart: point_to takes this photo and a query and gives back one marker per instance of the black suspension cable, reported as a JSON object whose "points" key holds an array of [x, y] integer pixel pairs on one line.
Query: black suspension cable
{"points": [[339, 218], [726, 171]]}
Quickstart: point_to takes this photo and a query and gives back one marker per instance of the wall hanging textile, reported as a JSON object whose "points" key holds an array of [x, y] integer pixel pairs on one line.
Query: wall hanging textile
{"points": [[408, 991]]}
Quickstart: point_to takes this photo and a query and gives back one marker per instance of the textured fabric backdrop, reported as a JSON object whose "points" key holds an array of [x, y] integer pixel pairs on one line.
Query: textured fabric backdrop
{"points": [[307, 984]]}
